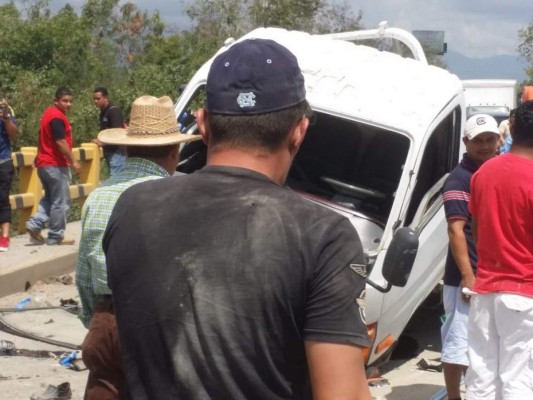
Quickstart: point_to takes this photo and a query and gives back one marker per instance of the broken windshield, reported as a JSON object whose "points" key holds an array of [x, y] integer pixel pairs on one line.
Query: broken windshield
{"points": [[354, 165]]}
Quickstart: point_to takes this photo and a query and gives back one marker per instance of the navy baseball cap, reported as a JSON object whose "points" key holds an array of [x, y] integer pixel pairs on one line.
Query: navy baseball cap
{"points": [[255, 76]]}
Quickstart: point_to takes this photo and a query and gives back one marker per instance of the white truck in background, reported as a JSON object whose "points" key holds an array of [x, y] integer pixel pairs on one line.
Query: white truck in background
{"points": [[386, 134], [496, 97]]}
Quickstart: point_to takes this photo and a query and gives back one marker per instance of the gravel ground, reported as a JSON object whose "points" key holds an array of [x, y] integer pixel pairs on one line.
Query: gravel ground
{"points": [[22, 376]]}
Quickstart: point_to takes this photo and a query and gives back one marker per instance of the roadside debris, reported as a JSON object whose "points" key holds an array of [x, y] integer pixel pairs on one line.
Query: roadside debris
{"points": [[8, 328], [6, 346], [70, 305], [66, 279], [426, 366], [60, 392], [378, 382], [70, 360], [23, 303], [73, 361]]}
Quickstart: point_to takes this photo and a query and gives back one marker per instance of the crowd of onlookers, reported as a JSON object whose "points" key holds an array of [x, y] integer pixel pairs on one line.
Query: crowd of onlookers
{"points": [[261, 299], [487, 335], [54, 162]]}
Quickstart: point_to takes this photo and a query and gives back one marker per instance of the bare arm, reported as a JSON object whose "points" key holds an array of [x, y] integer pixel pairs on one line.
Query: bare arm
{"points": [[337, 371], [64, 149], [11, 127], [459, 248], [474, 229]]}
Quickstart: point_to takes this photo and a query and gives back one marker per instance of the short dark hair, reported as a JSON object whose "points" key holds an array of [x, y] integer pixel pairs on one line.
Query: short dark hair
{"points": [[63, 91], [266, 131], [150, 151], [523, 125], [101, 89]]}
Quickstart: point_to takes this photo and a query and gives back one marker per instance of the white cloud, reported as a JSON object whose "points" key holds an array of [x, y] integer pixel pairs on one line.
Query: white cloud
{"points": [[476, 28]]}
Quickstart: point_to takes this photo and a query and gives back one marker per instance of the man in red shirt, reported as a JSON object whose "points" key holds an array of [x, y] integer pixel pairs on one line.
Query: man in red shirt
{"points": [[53, 160], [500, 330]]}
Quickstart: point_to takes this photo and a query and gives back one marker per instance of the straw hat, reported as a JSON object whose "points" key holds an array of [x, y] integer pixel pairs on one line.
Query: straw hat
{"points": [[153, 122]]}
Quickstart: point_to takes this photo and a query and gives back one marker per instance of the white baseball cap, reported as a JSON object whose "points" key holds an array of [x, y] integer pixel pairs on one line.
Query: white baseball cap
{"points": [[480, 123]]}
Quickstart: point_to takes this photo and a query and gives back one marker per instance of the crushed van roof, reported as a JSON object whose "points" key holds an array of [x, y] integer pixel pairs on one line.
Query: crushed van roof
{"points": [[363, 83]]}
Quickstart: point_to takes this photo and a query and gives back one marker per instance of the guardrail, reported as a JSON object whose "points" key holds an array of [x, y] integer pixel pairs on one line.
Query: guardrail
{"points": [[31, 191]]}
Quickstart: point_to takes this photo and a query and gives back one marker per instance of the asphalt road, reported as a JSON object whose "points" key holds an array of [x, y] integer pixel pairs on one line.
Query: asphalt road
{"points": [[21, 376]]}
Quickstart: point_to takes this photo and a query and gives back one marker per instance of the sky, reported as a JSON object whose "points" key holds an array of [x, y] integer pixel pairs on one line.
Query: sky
{"points": [[475, 28]]}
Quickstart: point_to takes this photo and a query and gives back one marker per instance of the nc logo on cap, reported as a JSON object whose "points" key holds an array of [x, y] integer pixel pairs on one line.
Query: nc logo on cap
{"points": [[481, 121], [246, 99]]}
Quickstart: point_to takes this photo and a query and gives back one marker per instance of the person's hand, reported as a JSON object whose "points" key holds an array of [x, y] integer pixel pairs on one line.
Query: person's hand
{"points": [[76, 167], [468, 282]]}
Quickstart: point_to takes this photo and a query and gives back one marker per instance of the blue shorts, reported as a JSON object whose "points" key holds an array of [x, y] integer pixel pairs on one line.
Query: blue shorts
{"points": [[454, 331]]}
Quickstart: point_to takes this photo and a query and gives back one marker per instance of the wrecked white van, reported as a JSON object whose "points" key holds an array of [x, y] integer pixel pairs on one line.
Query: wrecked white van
{"points": [[387, 133]]}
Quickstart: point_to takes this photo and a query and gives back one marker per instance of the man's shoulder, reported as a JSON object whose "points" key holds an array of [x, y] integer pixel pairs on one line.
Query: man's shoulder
{"points": [[266, 192], [112, 108], [459, 178], [53, 111]]}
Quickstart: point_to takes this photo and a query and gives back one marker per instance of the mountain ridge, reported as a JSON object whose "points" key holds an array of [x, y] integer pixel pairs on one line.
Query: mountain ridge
{"points": [[494, 67]]}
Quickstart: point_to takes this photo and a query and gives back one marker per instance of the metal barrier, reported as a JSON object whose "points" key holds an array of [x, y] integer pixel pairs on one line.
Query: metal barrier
{"points": [[31, 191]]}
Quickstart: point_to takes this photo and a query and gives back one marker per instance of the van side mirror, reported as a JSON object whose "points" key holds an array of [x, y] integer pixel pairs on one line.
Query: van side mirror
{"points": [[399, 259]]}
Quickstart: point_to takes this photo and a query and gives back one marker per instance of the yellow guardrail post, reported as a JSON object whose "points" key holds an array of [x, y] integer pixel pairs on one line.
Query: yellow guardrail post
{"points": [[29, 185], [89, 155]]}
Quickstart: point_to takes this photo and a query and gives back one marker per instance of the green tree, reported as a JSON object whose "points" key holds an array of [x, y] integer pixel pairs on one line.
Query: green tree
{"points": [[525, 48], [337, 17], [288, 14]]}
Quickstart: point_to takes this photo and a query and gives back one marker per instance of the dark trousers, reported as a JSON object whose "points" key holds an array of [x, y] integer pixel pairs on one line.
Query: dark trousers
{"points": [[7, 171], [101, 355]]}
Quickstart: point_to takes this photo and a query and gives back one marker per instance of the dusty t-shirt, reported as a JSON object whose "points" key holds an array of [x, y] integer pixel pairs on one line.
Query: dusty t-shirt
{"points": [[218, 277]]}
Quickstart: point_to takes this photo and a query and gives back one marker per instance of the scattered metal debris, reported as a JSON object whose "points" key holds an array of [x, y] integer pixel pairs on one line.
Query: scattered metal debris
{"points": [[69, 305], [6, 327], [60, 392], [6, 346]]}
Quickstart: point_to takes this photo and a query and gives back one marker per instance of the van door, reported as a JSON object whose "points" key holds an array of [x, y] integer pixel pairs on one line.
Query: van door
{"points": [[425, 214]]}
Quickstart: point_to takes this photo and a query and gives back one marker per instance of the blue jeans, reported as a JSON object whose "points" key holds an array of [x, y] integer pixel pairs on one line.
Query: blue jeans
{"points": [[54, 204], [115, 161]]}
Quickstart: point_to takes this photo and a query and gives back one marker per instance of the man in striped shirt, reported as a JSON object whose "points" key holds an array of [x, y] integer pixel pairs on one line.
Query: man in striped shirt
{"points": [[481, 141]]}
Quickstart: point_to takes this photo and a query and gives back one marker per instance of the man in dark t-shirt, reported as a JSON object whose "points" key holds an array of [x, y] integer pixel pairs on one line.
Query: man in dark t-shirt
{"points": [[481, 141], [110, 117], [226, 285]]}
